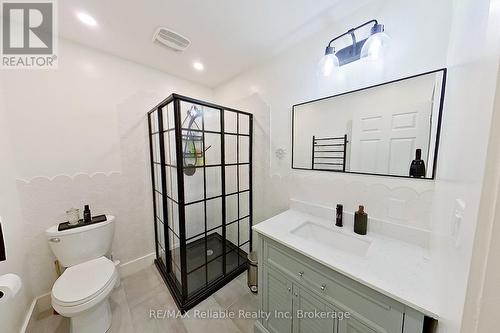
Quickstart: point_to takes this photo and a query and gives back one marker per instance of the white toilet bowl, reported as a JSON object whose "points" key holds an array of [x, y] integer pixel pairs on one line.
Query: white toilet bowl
{"points": [[82, 294]]}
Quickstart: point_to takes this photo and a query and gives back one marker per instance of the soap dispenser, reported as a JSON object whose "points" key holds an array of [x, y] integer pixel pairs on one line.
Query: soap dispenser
{"points": [[338, 216], [360, 221]]}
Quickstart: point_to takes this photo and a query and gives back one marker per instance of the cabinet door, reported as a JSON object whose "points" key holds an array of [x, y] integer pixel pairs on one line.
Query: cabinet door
{"points": [[311, 314], [353, 325], [277, 301]]}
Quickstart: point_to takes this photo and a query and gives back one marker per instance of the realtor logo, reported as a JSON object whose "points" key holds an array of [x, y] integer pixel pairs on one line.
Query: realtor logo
{"points": [[28, 34]]}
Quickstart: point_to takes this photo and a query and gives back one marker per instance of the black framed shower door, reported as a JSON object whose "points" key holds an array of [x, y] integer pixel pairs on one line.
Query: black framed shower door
{"points": [[201, 170]]}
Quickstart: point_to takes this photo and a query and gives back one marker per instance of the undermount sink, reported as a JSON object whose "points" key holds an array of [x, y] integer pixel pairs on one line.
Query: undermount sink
{"points": [[318, 234]]}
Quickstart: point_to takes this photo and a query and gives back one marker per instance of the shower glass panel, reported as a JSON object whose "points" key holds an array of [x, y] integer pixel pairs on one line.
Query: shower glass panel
{"points": [[201, 171]]}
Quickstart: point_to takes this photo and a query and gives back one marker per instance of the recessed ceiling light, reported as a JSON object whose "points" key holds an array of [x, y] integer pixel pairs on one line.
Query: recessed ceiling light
{"points": [[87, 19], [198, 66]]}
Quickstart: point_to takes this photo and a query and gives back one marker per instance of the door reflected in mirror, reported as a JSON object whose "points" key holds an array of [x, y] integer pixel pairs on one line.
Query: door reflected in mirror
{"points": [[390, 129]]}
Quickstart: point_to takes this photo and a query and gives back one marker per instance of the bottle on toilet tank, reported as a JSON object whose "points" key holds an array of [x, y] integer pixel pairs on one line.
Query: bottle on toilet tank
{"points": [[87, 217]]}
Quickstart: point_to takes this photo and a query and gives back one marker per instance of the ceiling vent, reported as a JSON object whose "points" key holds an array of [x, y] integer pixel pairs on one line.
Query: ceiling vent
{"points": [[171, 39]]}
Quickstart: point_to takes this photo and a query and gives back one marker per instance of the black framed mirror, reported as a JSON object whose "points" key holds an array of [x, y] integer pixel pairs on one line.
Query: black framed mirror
{"points": [[389, 129], [2, 245]]}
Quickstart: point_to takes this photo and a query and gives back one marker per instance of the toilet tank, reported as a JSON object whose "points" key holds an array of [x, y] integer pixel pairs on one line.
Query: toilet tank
{"points": [[74, 246]]}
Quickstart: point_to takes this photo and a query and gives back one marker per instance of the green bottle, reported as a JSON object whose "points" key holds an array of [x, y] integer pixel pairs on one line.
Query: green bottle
{"points": [[360, 221]]}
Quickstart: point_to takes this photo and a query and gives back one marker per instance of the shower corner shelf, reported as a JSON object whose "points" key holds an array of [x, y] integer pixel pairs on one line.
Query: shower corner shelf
{"points": [[193, 155], [197, 250], [198, 138]]}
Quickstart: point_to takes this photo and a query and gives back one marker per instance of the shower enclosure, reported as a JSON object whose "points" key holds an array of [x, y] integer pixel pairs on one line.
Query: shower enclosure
{"points": [[201, 167]]}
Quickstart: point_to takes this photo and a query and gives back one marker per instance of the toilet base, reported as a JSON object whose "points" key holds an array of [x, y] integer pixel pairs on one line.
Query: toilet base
{"points": [[95, 320]]}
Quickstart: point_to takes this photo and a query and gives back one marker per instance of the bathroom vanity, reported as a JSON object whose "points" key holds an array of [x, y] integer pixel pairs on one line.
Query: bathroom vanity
{"points": [[315, 277]]}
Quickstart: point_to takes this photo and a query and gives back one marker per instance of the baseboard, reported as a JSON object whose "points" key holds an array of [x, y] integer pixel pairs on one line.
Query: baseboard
{"points": [[38, 305], [133, 266], [28, 316], [43, 303]]}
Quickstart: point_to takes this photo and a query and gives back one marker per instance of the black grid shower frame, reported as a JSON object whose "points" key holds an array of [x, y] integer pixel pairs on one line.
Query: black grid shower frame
{"points": [[173, 264], [151, 156], [237, 249], [183, 300], [157, 218], [164, 267]]}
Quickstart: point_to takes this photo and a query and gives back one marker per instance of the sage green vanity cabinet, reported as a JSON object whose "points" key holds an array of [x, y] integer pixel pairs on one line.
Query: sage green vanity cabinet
{"points": [[292, 284], [306, 302], [278, 301], [352, 325], [286, 302]]}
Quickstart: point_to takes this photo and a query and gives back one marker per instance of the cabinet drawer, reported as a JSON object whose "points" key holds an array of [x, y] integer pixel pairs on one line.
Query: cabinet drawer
{"points": [[363, 303]]}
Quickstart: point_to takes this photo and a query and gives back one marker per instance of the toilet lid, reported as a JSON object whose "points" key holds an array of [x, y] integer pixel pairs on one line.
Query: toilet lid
{"points": [[82, 282]]}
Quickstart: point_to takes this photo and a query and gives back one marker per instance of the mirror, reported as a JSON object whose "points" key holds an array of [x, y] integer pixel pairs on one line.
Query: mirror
{"points": [[2, 245], [390, 129]]}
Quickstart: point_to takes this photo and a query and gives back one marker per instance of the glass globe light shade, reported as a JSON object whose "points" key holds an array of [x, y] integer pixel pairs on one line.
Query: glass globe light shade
{"points": [[376, 46], [328, 64]]}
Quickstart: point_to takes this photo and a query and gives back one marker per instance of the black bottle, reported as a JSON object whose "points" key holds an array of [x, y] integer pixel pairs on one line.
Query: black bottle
{"points": [[338, 216], [360, 221], [87, 217], [417, 168]]}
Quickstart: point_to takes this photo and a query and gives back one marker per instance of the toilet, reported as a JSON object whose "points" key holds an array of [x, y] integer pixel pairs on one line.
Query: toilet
{"points": [[82, 292]]}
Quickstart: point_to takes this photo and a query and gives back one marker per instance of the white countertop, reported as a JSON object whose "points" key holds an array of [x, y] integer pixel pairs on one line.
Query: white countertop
{"points": [[394, 268]]}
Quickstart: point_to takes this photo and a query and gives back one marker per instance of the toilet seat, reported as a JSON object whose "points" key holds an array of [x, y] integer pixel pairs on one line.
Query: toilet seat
{"points": [[84, 285]]}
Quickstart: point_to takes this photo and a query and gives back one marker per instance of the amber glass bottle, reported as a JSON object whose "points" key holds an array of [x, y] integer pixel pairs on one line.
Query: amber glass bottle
{"points": [[360, 221]]}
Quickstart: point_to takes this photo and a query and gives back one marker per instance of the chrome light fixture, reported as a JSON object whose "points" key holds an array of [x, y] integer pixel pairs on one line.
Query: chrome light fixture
{"points": [[329, 62], [372, 47]]}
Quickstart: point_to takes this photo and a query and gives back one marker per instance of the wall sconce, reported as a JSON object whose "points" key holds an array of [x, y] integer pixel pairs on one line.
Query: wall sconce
{"points": [[371, 47]]}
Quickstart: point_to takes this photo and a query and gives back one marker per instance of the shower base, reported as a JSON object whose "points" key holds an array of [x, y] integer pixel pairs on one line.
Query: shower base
{"points": [[205, 269]]}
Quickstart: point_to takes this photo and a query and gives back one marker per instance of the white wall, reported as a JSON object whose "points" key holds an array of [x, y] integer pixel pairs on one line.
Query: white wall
{"points": [[488, 320], [473, 65], [291, 77], [105, 98], [483, 300], [87, 97], [11, 313], [426, 35], [263, 199], [79, 135]]}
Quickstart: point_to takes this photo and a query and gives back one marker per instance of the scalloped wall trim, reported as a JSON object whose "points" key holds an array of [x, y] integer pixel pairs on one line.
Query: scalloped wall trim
{"points": [[79, 174]]}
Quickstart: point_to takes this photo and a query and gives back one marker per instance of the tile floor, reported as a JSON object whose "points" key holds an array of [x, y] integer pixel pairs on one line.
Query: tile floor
{"points": [[145, 290]]}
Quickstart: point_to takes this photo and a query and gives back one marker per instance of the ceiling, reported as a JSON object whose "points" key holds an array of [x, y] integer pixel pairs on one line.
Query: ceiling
{"points": [[228, 36]]}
